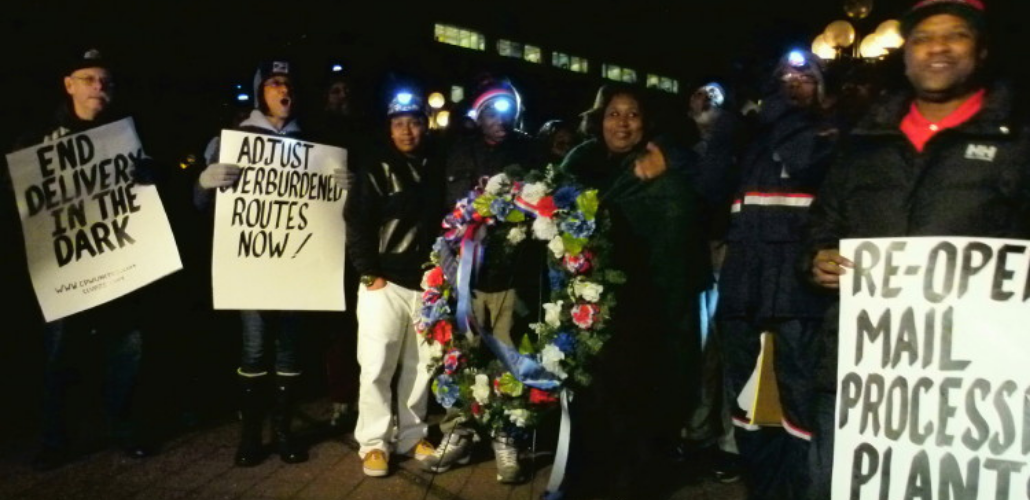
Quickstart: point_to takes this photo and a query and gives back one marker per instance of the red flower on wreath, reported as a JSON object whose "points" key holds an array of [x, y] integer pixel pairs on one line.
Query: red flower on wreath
{"points": [[545, 207], [477, 409], [441, 333], [538, 397], [431, 296], [580, 263], [583, 315], [435, 277]]}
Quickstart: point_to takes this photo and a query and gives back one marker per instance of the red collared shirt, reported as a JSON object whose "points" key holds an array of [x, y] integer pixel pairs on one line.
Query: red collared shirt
{"points": [[919, 130]]}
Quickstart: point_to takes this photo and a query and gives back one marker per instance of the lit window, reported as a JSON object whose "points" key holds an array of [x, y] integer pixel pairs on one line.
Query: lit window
{"points": [[619, 74], [532, 54], [663, 83], [560, 60], [508, 48], [457, 93], [453, 35], [580, 65], [571, 63]]}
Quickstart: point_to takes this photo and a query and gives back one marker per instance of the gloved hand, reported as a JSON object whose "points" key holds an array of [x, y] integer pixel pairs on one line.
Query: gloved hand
{"points": [[218, 175], [342, 176]]}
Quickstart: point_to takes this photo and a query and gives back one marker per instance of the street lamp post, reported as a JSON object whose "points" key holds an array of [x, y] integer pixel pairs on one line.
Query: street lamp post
{"points": [[838, 40]]}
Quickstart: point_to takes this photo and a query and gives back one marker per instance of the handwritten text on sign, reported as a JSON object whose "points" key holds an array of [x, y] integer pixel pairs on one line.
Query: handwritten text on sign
{"points": [[279, 233], [91, 233], [934, 370]]}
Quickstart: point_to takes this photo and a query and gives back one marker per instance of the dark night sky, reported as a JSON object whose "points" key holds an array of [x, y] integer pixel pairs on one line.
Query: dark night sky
{"points": [[193, 47]]}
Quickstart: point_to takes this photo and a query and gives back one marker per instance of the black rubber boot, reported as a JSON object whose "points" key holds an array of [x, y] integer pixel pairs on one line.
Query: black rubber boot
{"points": [[252, 413], [290, 450]]}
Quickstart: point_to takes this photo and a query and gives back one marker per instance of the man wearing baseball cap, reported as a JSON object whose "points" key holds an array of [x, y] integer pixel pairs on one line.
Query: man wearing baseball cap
{"points": [[392, 221], [116, 326], [946, 157]]}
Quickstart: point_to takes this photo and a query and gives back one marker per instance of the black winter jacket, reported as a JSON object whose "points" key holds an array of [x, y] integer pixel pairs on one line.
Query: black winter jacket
{"points": [[971, 180], [393, 217], [470, 159], [780, 173]]}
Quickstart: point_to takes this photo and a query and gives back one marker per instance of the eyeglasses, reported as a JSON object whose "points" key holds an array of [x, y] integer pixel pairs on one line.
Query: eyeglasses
{"points": [[91, 81]]}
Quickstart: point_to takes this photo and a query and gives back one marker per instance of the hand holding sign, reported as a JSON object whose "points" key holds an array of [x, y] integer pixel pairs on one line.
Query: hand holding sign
{"points": [[932, 397], [218, 175], [342, 176], [279, 237], [827, 267]]}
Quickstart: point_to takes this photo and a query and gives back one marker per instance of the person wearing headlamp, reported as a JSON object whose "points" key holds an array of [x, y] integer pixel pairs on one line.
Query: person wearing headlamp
{"points": [[393, 218], [495, 146], [759, 289]]}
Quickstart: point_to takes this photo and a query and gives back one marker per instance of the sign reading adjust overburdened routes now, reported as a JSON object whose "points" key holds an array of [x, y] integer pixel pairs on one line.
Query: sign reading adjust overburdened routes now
{"points": [[279, 232], [934, 370], [91, 233]]}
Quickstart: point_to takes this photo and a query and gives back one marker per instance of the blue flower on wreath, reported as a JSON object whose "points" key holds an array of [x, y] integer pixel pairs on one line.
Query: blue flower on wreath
{"points": [[517, 433], [557, 278], [565, 342], [500, 207], [565, 197], [445, 390], [435, 312], [577, 226]]}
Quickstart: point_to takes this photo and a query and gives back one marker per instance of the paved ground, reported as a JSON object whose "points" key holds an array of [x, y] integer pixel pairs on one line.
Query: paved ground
{"points": [[198, 465]]}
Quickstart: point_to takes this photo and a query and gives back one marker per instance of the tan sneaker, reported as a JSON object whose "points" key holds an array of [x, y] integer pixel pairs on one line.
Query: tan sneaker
{"points": [[375, 464], [421, 451]]}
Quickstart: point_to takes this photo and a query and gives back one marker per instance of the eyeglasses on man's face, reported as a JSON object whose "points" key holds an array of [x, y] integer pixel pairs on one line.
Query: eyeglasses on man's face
{"points": [[92, 80]]}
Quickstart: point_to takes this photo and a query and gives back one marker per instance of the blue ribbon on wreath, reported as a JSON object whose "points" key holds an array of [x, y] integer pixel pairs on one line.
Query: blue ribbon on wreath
{"points": [[525, 368]]}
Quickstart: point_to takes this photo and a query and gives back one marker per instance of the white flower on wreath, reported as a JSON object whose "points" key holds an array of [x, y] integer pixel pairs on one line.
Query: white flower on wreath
{"points": [[544, 229], [435, 352], [557, 247], [550, 358], [533, 192], [516, 234], [552, 313], [498, 185], [518, 416], [587, 290], [481, 389]]}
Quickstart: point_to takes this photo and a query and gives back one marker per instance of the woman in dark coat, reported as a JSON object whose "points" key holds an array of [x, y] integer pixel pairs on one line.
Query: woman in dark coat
{"points": [[647, 375]]}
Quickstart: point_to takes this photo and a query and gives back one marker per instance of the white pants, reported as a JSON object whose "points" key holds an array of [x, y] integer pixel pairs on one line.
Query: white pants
{"points": [[388, 344]]}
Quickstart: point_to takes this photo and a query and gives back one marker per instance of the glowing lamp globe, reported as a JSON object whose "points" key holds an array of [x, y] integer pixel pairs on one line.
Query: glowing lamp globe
{"points": [[858, 9], [871, 48], [840, 34], [436, 100]]}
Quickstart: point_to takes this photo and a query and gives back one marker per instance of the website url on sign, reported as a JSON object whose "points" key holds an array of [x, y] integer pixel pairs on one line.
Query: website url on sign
{"points": [[88, 285]]}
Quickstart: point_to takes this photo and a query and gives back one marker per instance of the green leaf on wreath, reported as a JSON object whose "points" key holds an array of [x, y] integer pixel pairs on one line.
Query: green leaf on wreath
{"points": [[591, 342], [616, 277], [482, 205], [526, 345], [510, 385], [587, 203], [573, 245], [515, 216]]}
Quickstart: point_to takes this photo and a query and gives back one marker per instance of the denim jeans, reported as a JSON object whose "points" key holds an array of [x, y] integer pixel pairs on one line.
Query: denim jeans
{"points": [[66, 343], [270, 342]]}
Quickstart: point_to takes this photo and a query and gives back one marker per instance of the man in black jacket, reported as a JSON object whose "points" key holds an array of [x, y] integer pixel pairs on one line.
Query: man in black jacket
{"points": [[392, 222], [114, 326], [759, 290], [496, 145], [946, 158]]}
